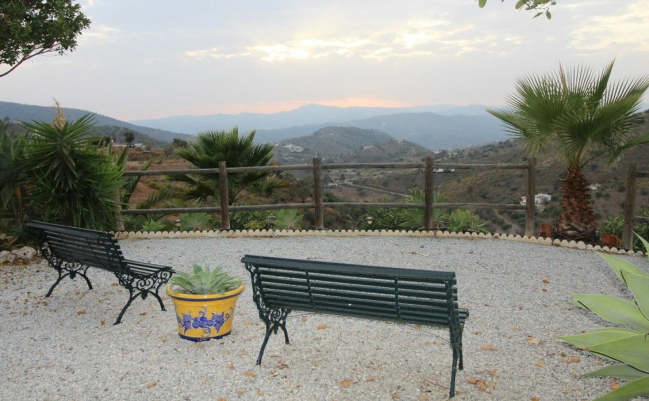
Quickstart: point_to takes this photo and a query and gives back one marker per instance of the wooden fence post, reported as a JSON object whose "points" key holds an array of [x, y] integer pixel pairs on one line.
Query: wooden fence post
{"points": [[629, 207], [317, 193], [119, 220], [224, 196], [529, 200], [428, 193]]}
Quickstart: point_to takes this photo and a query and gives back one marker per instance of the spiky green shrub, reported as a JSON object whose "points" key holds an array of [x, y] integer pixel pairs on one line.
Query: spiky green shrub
{"points": [[414, 218], [71, 181], [153, 226], [288, 219], [630, 346], [465, 220], [203, 281]]}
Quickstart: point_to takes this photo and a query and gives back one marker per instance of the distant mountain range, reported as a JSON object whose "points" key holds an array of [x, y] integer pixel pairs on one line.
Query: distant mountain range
{"points": [[305, 115], [434, 127], [29, 113]]}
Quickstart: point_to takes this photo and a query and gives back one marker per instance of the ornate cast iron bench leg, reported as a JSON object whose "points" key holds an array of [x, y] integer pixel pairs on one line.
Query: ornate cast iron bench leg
{"points": [[70, 272], [130, 299], [453, 372], [275, 319], [145, 285]]}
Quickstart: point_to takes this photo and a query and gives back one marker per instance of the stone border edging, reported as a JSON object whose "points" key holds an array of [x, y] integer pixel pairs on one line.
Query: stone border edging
{"points": [[364, 233]]}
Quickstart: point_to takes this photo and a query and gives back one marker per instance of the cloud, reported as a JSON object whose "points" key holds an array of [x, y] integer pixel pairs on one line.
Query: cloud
{"points": [[213, 53], [415, 38], [99, 34], [627, 30]]}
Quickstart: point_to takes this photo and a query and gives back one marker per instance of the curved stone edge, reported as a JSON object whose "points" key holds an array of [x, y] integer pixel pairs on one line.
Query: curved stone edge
{"points": [[368, 233]]}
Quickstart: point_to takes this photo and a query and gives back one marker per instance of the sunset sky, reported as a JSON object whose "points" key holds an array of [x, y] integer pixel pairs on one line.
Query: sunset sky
{"points": [[149, 59]]}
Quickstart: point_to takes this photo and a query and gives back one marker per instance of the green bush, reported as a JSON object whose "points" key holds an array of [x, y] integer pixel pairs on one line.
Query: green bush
{"points": [[249, 220], [613, 225]]}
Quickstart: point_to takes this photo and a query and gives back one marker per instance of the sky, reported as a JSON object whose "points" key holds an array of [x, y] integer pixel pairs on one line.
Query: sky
{"points": [[151, 59]]}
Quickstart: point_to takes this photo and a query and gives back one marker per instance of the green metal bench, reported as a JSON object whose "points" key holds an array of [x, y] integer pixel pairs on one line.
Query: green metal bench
{"points": [[422, 297], [72, 251]]}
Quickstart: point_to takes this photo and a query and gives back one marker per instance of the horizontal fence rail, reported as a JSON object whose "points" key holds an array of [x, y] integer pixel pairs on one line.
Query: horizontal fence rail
{"points": [[629, 205], [318, 204]]}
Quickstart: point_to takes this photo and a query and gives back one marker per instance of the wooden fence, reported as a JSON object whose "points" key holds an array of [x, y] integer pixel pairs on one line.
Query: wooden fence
{"points": [[319, 205], [629, 205]]}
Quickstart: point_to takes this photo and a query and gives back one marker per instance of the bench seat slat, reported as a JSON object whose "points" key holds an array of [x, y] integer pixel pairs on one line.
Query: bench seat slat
{"points": [[363, 270], [264, 273], [351, 305], [378, 315], [271, 288], [357, 288]]}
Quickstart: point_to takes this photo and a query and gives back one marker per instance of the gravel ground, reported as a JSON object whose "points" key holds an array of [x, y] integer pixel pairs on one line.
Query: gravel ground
{"points": [[66, 347]]}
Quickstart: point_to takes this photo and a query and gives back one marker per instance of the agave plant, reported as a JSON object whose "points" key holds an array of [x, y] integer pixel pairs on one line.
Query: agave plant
{"points": [[203, 281], [415, 217], [630, 346]]}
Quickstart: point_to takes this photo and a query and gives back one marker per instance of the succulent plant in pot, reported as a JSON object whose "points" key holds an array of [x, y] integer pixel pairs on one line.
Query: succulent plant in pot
{"points": [[205, 302]]}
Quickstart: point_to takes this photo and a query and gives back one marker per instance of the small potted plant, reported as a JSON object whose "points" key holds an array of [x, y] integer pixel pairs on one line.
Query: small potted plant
{"points": [[204, 302], [612, 231]]}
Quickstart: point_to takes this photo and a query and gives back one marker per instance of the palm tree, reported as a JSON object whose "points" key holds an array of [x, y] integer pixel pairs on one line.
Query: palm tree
{"points": [[210, 147], [584, 116]]}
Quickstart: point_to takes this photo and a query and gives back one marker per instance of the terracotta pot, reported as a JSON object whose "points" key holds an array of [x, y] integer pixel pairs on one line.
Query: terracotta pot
{"points": [[546, 230], [610, 240]]}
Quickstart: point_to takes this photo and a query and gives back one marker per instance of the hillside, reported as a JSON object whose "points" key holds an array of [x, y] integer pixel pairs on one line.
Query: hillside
{"points": [[430, 130], [117, 133], [28, 113], [397, 151], [328, 143], [505, 186]]}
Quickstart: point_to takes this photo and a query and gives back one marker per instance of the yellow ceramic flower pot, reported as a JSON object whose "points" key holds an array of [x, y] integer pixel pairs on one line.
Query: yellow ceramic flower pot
{"points": [[204, 317]]}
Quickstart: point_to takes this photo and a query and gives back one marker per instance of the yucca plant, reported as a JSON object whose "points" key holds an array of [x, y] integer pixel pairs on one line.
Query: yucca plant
{"points": [[203, 281], [71, 181], [630, 346]]}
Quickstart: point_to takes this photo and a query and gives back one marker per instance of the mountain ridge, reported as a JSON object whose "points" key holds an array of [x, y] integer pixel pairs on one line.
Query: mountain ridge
{"points": [[304, 115], [28, 113]]}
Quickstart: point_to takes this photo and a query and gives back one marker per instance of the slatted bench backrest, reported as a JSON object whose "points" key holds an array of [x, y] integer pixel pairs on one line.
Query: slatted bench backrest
{"points": [[82, 246], [404, 295]]}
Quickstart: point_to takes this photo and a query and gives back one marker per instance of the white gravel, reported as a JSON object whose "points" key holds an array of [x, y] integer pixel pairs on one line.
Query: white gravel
{"points": [[66, 347]]}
